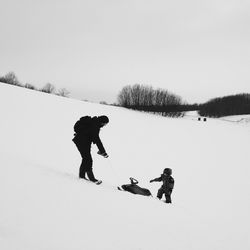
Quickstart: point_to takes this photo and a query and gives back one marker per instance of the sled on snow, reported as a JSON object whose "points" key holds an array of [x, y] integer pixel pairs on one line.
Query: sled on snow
{"points": [[134, 188]]}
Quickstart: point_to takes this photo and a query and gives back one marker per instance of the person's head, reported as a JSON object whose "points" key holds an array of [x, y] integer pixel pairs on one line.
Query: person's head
{"points": [[103, 120], [167, 171]]}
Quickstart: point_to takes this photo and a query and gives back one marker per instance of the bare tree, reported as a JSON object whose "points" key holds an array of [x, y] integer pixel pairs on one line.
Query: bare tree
{"points": [[11, 78], [48, 88], [124, 97], [30, 86], [63, 92], [103, 103]]}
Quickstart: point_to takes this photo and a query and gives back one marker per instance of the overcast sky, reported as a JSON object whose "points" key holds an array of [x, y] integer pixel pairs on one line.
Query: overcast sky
{"points": [[198, 49]]}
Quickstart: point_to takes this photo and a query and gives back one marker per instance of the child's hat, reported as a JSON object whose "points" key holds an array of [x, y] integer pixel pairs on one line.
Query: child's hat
{"points": [[167, 171]]}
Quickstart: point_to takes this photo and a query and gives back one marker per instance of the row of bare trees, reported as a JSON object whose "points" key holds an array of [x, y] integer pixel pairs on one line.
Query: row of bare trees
{"points": [[226, 106], [145, 98], [11, 78], [141, 95]]}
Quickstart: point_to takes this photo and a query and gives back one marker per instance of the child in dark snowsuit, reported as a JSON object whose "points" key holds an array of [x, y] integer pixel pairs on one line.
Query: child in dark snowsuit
{"points": [[87, 132], [167, 186]]}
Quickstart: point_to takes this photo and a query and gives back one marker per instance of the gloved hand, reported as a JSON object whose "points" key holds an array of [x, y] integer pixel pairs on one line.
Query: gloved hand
{"points": [[151, 181], [105, 155]]}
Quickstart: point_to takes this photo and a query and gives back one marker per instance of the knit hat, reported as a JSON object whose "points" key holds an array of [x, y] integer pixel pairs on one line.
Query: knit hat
{"points": [[103, 119], [167, 171]]}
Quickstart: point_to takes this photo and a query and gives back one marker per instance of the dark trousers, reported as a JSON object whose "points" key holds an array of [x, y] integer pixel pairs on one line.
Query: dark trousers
{"points": [[167, 193], [86, 166]]}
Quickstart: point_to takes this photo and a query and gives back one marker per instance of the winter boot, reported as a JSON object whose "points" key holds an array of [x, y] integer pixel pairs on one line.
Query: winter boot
{"points": [[91, 176]]}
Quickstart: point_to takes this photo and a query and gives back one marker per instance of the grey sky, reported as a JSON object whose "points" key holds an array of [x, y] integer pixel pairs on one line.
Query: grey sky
{"points": [[196, 49]]}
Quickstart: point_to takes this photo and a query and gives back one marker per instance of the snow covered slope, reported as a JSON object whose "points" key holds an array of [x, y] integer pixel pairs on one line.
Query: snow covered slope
{"points": [[45, 206], [240, 119]]}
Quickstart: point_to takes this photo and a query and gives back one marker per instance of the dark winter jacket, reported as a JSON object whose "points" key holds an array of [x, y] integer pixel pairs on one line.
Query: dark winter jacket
{"points": [[168, 182], [90, 134]]}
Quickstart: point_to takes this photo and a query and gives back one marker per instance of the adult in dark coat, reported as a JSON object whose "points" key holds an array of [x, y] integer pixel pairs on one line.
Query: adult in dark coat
{"points": [[87, 134], [167, 185]]}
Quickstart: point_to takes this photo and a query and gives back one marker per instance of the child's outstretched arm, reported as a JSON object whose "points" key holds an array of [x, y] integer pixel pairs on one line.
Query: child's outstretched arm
{"points": [[156, 179]]}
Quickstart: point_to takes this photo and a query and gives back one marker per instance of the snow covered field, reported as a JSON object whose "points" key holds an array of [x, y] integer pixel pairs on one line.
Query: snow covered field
{"points": [[44, 206]]}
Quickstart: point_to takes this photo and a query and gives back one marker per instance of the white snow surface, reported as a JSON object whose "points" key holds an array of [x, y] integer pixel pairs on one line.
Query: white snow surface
{"points": [[44, 206], [243, 119]]}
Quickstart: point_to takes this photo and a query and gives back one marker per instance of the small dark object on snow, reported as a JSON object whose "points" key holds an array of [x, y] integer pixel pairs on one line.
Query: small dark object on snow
{"points": [[134, 188], [199, 119], [204, 119]]}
